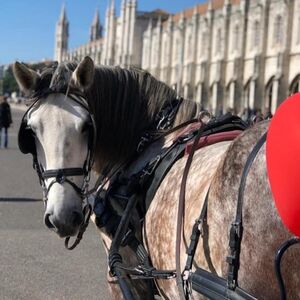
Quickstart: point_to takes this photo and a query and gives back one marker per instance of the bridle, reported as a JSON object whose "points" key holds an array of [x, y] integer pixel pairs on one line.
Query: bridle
{"points": [[60, 176]]}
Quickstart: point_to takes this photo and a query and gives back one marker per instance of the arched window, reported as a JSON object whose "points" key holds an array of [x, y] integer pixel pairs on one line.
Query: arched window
{"points": [[295, 85], [256, 34], [271, 94], [218, 41], [278, 31]]}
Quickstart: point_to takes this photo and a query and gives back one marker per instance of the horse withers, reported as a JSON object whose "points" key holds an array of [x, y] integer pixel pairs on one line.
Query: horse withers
{"points": [[126, 104]]}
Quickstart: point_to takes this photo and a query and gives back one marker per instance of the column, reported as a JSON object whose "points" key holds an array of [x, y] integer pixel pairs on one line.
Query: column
{"points": [[231, 95], [199, 93], [252, 94], [214, 98], [275, 90]]}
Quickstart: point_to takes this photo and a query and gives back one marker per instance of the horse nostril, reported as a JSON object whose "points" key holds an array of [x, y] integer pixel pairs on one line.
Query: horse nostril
{"points": [[77, 218], [47, 221]]}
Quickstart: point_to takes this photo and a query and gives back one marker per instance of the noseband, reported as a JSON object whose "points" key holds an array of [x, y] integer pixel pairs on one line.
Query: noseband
{"points": [[26, 141]]}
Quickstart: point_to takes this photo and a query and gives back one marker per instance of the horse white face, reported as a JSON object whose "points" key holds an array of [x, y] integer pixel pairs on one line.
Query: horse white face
{"points": [[61, 137], [61, 131]]}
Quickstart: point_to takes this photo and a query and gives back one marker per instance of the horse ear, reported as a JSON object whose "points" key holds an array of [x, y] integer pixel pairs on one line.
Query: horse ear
{"points": [[83, 75], [25, 77]]}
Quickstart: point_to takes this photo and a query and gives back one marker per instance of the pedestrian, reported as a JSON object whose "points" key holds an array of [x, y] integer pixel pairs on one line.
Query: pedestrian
{"points": [[5, 121]]}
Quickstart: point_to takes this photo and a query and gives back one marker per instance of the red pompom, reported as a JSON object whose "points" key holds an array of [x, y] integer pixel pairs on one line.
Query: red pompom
{"points": [[283, 161]]}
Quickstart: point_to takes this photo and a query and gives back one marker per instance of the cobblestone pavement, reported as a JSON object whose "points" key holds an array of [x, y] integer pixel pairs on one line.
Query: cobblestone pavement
{"points": [[33, 261]]}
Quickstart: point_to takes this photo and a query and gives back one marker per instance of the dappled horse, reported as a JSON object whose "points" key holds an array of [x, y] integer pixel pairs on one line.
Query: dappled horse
{"points": [[86, 117]]}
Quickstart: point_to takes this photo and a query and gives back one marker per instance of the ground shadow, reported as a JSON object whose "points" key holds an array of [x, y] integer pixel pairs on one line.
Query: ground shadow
{"points": [[14, 199]]}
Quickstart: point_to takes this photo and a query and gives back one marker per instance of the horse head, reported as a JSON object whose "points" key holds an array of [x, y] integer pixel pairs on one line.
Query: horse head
{"points": [[58, 130]]}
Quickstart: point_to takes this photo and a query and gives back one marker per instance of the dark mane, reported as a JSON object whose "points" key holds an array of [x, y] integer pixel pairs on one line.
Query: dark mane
{"points": [[125, 103]]}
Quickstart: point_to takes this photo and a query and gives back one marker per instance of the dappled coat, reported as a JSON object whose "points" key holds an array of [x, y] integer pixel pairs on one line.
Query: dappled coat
{"points": [[5, 115]]}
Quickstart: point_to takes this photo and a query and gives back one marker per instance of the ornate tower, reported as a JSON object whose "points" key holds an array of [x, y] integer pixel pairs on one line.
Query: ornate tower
{"points": [[61, 36], [110, 32], [96, 28]]}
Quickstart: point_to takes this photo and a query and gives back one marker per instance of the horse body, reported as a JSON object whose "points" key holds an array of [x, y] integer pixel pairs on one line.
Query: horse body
{"points": [[218, 167]]}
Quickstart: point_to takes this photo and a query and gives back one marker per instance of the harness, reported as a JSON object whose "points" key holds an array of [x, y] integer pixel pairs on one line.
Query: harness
{"points": [[129, 193], [149, 178]]}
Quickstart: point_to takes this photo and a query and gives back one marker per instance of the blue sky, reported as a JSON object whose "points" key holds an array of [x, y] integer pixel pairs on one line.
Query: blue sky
{"points": [[27, 27]]}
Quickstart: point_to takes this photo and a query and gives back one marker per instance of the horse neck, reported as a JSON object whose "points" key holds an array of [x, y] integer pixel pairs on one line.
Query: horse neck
{"points": [[125, 109]]}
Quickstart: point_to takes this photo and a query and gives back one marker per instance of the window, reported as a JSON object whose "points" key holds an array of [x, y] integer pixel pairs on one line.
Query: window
{"points": [[218, 43], [177, 46], [278, 31], [256, 34], [190, 48], [203, 43], [154, 51], [235, 39], [165, 55]]}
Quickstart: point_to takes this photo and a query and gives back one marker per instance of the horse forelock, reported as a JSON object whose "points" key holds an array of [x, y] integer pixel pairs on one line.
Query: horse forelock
{"points": [[54, 78]]}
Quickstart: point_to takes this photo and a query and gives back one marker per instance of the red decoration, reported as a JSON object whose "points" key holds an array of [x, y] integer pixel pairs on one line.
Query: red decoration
{"points": [[283, 161]]}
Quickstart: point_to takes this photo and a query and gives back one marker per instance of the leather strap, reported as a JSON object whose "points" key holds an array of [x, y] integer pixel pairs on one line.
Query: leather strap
{"points": [[197, 231], [236, 231], [60, 173]]}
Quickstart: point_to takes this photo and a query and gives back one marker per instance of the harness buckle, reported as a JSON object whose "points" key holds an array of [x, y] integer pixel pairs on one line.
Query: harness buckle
{"points": [[150, 168], [185, 138], [186, 276], [60, 177]]}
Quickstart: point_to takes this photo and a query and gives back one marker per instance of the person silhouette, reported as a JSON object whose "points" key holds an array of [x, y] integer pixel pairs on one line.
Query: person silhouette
{"points": [[5, 122]]}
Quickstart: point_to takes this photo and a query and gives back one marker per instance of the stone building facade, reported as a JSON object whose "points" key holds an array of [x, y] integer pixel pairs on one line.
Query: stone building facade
{"points": [[225, 54]]}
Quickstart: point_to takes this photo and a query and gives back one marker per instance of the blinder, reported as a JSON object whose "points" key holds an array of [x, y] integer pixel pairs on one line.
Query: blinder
{"points": [[26, 139], [26, 136]]}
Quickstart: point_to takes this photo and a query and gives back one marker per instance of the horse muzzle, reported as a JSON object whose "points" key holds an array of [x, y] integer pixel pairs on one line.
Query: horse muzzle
{"points": [[65, 226]]}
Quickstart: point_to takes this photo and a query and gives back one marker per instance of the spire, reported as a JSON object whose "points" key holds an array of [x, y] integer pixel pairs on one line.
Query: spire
{"points": [[61, 36], [96, 28], [112, 5], [96, 20], [63, 15]]}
